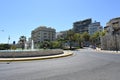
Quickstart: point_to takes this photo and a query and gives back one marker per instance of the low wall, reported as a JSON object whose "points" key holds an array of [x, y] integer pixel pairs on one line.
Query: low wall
{"points": [[22, 54]]}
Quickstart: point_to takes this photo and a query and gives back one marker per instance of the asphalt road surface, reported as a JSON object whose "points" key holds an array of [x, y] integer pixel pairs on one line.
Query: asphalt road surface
{"points": [[85, 64]]}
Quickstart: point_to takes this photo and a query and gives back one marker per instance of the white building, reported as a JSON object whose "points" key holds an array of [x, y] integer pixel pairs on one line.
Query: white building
{"points": [[61, 35], [94, 27], [43, 33]]}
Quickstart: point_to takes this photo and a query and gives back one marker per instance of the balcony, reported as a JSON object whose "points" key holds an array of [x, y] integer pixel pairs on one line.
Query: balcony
{"points": [[116, 26]]}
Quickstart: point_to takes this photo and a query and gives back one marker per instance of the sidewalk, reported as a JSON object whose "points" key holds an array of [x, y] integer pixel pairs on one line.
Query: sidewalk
{"points": [[108, 51], [65, 54]]}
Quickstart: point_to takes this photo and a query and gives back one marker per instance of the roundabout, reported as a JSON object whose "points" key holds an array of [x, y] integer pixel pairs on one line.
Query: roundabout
{"points": [[32, 55]]}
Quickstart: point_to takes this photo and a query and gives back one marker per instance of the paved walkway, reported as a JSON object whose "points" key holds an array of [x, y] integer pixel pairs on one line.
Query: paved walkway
{"points": [[66, 53]]}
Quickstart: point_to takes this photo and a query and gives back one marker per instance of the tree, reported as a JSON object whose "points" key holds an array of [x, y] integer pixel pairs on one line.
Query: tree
{"points": [[55, 44], [61, 41], [78, 39], [95, 38], [103, 33], [70, 37], [22, 41], [85, 37]]}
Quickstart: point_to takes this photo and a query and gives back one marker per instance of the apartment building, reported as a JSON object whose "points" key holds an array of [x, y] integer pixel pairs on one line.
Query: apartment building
{"points": [[111, 41], [43, 33], [94, 27], [81, 26], [61, 35]]}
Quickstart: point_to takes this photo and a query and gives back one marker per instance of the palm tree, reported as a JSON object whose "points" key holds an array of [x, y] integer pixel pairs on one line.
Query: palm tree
{"points": [[22, 41]]}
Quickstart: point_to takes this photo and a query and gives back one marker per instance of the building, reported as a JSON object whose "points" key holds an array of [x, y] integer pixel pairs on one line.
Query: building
{"points": [[43, 33], [61, 35], [94, 27], [81, 26], [29, 43], [111, 40]]}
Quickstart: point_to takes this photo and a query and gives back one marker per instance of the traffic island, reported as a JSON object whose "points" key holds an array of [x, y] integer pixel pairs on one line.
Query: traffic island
{"points": [[33, 55]]}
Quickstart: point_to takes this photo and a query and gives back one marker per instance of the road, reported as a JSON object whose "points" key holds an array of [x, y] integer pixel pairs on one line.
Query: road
{"points": [[85, 64]]}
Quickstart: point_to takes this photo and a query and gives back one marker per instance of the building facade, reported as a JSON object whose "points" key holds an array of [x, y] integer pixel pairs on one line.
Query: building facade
{"points": [[81, 26], [111, 41], [61, 35], [43, 33], [94, 27]]}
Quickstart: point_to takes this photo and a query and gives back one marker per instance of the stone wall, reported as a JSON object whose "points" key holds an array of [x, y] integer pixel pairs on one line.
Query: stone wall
{"points": [[110, 42]]}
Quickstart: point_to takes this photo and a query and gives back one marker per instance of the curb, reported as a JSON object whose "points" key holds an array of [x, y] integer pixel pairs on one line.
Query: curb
{"points": [[66, 53], [107, 51]]}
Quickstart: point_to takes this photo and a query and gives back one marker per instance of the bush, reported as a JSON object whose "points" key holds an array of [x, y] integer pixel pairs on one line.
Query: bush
{"points": [[50, 44], [13, 47], [5, 46], [55, 44], [44, 44]]}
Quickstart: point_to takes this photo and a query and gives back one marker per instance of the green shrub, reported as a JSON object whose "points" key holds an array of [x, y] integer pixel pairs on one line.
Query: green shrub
{"points": [[13, 47], [55, 44], [5, 46]]}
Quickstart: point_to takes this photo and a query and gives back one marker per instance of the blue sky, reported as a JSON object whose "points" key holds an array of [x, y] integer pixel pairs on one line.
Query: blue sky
{"points": [[20, 17]]}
